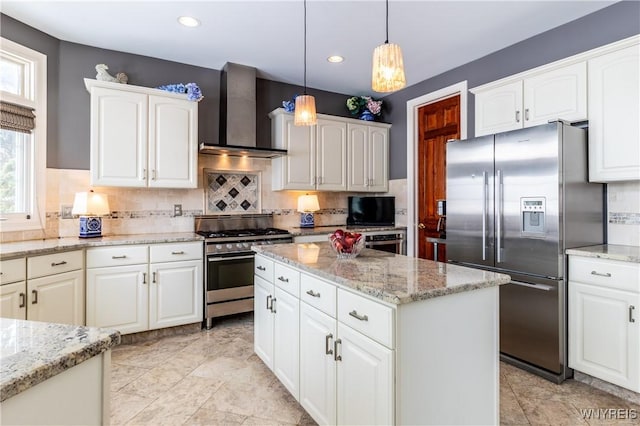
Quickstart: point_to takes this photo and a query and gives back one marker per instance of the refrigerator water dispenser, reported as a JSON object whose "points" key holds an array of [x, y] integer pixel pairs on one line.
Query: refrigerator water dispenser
{"points": [[532, 212]]}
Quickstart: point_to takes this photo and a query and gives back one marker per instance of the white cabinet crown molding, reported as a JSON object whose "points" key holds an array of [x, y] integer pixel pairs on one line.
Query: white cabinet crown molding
{"points": [[279, 111], [89, 83], [580, 57]]}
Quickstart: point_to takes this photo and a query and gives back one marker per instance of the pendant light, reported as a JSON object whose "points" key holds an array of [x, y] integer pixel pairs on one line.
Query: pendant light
{"points": [[305, 114], [388, 67]]}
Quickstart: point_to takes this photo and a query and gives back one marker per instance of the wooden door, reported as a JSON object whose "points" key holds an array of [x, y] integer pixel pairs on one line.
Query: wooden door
{"points": [[437, 123]]}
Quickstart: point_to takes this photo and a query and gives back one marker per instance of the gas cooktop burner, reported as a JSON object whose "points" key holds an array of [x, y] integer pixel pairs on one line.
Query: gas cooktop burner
{"points": [[242, 233]]}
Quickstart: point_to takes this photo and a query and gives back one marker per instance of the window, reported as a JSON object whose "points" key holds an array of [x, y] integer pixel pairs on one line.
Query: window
{"points": [[23, 131]]}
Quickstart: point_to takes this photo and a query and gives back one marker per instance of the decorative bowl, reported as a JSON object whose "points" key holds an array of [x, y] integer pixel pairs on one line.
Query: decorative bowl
{"points": [[343, 251]]}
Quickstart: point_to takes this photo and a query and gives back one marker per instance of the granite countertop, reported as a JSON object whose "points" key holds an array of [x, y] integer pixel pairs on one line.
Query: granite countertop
{"points": [[389, 277], [328, 229], [609, 251], [31, 352], [54, 245]]}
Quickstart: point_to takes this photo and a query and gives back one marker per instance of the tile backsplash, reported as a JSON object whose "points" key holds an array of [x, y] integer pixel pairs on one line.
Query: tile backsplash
{"points": [[623, 200], [145, 210]]}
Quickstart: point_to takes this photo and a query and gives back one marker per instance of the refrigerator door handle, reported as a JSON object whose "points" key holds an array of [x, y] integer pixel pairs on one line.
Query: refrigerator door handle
{"points": [[499, 218], [542, 287], [485, 191]]}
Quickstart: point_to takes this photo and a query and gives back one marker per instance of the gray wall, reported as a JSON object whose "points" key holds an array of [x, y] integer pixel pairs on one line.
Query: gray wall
{"points": [[605, 26]]}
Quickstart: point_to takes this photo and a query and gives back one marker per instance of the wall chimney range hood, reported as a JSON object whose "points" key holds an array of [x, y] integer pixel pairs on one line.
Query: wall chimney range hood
{"points": [[238, 116]]}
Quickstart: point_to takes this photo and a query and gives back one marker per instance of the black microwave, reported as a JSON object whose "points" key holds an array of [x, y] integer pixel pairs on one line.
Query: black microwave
{"points": [[371, 211]]}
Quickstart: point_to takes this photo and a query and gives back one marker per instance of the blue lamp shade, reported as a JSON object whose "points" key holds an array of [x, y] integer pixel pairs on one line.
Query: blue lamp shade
{"points": [[307, 204], [90, 205]]}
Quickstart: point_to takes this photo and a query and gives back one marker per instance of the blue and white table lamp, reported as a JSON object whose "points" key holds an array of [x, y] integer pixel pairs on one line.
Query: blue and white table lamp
{"points": [[90, 206], [307, 204]]}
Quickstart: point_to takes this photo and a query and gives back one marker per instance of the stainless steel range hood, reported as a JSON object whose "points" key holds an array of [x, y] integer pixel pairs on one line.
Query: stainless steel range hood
{"points": [[238, 116]]}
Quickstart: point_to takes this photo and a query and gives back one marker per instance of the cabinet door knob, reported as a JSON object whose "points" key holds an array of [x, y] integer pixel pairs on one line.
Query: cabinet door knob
{"points": [[336, 357], [34, 293], [517, 116], [421, 226], [153, 278], [631, 308], [273, 305], [526, 114], [144, 278], [269, 304], [23, 300]]}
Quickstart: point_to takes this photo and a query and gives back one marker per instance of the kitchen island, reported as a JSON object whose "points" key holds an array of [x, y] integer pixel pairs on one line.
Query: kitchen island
{"points": [[54, 373], [380, 339]]}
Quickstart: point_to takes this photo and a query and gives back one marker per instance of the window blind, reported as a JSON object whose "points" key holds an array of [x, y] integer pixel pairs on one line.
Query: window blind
{"points": [[16, 117]]}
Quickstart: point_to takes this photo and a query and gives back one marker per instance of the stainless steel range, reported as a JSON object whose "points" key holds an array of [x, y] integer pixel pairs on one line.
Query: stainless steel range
{"points": [[229, 259]]}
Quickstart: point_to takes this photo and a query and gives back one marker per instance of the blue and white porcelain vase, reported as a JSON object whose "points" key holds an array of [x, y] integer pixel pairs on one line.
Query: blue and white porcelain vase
{"points": [[367, 116]]}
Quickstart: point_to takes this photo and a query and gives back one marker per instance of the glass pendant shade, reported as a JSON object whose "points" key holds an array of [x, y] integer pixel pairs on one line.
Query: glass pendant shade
{"points": [[305, 113], [388, 68]]}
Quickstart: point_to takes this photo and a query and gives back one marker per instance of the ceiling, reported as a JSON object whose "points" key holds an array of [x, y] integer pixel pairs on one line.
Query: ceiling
{"points": [[435, 36]]}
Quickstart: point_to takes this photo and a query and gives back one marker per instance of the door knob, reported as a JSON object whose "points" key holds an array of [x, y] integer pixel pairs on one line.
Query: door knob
{"points": [[421, 226]]}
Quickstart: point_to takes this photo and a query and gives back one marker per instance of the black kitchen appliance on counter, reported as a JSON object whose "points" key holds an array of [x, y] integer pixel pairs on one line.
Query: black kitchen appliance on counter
{"points": [[371, 211]]}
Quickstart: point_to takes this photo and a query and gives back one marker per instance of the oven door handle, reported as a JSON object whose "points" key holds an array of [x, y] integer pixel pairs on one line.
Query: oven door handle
{"points": [[381, 242], [222, 259]]}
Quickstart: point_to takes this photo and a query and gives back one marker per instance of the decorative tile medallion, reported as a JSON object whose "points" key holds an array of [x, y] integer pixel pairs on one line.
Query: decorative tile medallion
{"points": [[231, 192]]}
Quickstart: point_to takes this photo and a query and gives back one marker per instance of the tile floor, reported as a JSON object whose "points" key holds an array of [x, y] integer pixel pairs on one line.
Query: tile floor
{"points": [[214, 378]]}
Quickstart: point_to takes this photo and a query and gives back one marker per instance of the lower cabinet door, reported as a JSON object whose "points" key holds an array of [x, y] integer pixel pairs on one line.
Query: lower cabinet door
{"points": [[263, 320], [604, 334], [286, 340], [317, 364], [13, 300], [57, 298], [118, 297], [365, 391], [175, 293]]}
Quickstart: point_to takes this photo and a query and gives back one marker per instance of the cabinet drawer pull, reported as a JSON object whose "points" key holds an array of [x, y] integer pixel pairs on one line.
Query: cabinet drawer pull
{"points": [[273, 305], [355, 314], [336, 357], [64, 262], [600, 274], [144, 174], [144, 278], [631, 308], [269, 304], [124, 256], [153, 277], [261, 268], [35, 297], [153, 174], [313, 293], [327, 344], [283, 279], [177, 252], [526, 114], [23, 300], [517, 116]]}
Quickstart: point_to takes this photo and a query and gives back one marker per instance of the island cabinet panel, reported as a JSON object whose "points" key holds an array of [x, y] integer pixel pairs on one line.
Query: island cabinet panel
{"points": [[57, 298], [386, 354], [286, 340], [317, 364]]}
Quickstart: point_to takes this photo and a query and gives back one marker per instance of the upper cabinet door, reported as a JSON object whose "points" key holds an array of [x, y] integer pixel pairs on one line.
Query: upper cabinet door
{"points": [[499, 109], [118, 138], [331, 161], [557, 94], [358, 175], [173, 145], [614, 108], [378, 154]]}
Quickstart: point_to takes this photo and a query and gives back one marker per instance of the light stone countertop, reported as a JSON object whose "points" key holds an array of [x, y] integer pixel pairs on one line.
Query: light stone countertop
{"points": [[32, 352], [609, 251], [55, 245], [328, 229], [392, 278]]}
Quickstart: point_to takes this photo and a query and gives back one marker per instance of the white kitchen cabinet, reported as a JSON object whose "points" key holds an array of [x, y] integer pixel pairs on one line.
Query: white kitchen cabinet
{"points": [[276, 327], [368, 158], [604, 323], [324, 158], [560, 93], [142, 137], [140, 287], [55, 288], [13, 288], [614, 108]]}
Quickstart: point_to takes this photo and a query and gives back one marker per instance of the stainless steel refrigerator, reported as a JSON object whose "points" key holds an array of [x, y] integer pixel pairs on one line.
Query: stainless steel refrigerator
{"points": [[515, 202]]}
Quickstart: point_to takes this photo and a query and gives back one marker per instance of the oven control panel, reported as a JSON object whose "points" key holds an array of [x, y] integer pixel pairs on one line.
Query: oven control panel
{"points": [[214, 247]]}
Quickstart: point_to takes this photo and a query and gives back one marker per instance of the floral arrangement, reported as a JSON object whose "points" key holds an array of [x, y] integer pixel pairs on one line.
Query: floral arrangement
{"points": [[290, 106], [191, 89], [365, 107]]}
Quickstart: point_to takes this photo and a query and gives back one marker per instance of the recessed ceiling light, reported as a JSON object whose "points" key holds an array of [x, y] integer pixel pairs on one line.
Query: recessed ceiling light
{"points": [[335, 59], [188, 21]]}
